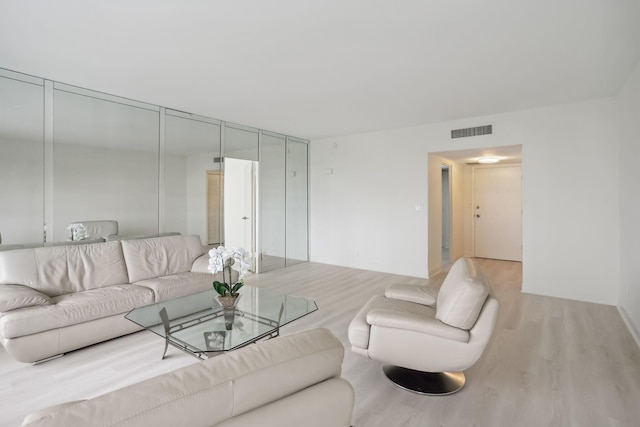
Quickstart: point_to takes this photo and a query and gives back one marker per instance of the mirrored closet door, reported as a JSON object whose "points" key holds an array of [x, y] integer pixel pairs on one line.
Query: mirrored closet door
{"points": [[21, 159], [105, 162], [192, 177], [69, 155]]}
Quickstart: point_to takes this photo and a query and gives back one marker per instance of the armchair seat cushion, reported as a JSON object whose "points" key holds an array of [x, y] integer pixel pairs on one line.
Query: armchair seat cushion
{"points": [[398, 314], [414, 317], [359, 329]]}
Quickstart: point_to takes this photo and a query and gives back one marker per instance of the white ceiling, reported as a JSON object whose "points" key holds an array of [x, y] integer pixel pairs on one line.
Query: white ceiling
{"points": [[329, 67]]}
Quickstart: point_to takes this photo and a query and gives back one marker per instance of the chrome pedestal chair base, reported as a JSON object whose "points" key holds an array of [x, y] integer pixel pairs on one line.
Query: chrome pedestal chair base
{"points": [[429, 383]]}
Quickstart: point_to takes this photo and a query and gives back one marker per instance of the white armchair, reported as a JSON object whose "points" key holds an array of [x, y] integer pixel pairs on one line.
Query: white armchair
{"points": [[428, 338]]}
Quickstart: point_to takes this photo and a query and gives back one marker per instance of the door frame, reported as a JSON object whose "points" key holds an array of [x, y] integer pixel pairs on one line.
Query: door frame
{"points": [[255, 165], [473, 202], [449, 220]]}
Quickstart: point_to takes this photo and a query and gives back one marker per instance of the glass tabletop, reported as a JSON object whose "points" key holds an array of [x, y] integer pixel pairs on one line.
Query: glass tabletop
{"points": [[198, 324]]}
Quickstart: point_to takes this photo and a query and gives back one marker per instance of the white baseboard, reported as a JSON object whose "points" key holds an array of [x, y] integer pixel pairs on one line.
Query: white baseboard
{"points": [[632, 328]]}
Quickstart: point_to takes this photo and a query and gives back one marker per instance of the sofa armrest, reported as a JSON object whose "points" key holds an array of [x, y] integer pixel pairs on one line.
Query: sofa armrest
{"points": [[412, 293], [43, 413], [201, 264], [13, 297]]}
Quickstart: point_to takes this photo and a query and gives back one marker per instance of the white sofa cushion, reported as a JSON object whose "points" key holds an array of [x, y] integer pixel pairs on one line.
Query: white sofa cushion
{"points": [[462, 295], [75, 308], [60, 270], [161, 256], [20, 296], [178, 285]]}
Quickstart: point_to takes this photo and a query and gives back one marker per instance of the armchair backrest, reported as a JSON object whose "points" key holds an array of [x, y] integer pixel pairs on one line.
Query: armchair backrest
{"points": [[462, 295]]}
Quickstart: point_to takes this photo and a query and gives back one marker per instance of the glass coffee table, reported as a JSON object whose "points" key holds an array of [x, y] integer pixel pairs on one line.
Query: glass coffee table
{"points": [[198, 325]]}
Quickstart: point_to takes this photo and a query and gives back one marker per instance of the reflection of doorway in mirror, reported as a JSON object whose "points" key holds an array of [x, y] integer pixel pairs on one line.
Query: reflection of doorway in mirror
{"points": [[214, 207], [240, 204]]}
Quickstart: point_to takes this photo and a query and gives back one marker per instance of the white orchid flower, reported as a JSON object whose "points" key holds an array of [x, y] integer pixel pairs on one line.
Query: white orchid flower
{"points": [[221, 259]]}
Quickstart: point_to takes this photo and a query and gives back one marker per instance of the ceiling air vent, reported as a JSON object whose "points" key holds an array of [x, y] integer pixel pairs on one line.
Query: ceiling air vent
{"points": [[478, 130]]}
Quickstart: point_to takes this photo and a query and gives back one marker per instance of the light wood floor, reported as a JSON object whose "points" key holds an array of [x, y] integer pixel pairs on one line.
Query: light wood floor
{"points": [[552, 362]]}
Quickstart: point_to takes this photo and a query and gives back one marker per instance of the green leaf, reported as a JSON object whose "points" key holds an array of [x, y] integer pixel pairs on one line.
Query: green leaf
{"points": [[221, 288], [237, 287]]}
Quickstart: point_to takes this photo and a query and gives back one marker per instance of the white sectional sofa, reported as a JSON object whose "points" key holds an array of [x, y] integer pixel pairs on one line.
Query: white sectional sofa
{"points": [[290, 381], [57, 299]]}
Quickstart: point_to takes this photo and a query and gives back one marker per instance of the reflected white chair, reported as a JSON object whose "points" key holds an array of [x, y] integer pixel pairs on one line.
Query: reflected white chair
{"points": [[88, 230], [428, 337]]}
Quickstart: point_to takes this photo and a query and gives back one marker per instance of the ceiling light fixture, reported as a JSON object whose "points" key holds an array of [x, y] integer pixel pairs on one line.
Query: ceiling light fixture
{"points": [[488, 160]]}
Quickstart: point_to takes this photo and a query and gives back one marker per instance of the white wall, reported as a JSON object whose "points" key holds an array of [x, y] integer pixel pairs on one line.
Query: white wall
{"points": [[629, 304], [364, 216]]}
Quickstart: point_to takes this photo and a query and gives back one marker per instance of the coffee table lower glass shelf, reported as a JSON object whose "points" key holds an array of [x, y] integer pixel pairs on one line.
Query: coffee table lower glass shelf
{"points": [[198, 325]]}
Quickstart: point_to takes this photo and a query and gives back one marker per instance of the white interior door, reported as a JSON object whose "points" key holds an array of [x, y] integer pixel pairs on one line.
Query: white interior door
{"points": [[239, 205], [497, 212]]}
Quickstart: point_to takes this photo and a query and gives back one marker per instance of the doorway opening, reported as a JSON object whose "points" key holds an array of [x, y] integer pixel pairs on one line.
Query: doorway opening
{"points": [[215, 232], [446, 216], [231, 205], [451, 215]]}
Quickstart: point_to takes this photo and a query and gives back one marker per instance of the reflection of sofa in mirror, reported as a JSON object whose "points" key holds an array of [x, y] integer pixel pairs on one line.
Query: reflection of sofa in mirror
{"points": [[85, 241], [101, 231], [87, 230], [142, 236], [61, 298]]}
